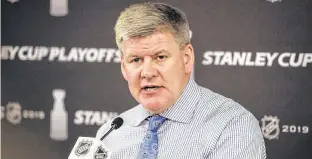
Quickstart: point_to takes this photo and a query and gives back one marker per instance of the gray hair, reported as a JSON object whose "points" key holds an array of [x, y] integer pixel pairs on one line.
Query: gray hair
{"points": [[144, 19]]}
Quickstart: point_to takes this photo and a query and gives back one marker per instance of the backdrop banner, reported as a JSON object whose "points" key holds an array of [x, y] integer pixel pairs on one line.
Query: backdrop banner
{"points": [[61, 74]]}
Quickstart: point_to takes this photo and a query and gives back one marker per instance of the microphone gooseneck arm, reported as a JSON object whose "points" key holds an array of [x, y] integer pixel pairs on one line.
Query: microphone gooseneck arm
{"points": [[110, 130]]}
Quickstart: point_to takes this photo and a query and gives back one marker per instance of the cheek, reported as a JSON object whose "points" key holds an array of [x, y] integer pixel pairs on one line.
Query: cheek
{"points": [[174, 70], [174, 75], [133, 77]]}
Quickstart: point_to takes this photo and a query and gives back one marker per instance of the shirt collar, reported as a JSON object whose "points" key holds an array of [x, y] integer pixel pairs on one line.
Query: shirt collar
{"points": [[139, 115], [181, 111]]}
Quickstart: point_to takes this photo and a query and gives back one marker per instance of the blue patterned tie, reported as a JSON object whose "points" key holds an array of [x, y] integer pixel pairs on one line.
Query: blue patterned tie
{"points": [[149, 146]]}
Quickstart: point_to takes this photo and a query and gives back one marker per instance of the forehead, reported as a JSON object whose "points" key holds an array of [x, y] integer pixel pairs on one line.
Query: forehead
{"points": [[149, 44]]}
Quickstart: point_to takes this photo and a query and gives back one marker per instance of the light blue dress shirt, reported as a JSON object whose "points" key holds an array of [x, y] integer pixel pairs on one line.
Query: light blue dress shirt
{"points": [[200, 125]]}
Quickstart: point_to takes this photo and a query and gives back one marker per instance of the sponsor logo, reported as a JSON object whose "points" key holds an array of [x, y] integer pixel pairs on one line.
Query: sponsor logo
{"points": [[258, 59], [83, 147], [58, 8], [14, 114], [270, 128], [89, 117], [59, 116], [60, 54], [100, 153]]}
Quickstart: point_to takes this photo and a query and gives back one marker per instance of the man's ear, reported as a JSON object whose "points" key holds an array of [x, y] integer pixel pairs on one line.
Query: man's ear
{"points": [[123, 69], [189, 58]]}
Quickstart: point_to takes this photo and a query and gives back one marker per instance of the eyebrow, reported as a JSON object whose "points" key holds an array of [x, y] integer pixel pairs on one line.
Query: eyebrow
{"points": [[154, 54], [161, 51], [130, 55]]}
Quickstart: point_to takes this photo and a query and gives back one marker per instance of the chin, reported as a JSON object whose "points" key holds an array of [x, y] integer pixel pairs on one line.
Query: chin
{"points": [[153, 107]]}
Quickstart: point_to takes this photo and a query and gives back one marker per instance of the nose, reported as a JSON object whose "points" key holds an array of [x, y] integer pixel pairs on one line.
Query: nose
{"points": [[148, 70]]}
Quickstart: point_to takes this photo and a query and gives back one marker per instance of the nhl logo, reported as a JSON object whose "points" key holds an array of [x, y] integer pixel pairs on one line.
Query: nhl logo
{"points": [[14, 113], [100, 153], [83, 147], [270, 127]]}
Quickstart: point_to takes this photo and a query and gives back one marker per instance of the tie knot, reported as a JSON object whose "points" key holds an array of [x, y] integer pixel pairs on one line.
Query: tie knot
{"points": [[155, 122]]}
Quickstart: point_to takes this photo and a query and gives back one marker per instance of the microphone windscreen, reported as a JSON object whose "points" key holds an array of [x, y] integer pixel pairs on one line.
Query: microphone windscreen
{"points": [[117, 122]]}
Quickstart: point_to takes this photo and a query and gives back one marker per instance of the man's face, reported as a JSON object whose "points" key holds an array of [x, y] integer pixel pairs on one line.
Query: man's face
{"points": [[156, 69]]}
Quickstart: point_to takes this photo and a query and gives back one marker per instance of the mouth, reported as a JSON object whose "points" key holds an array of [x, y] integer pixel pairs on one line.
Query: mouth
{"points": [[150, 88]]}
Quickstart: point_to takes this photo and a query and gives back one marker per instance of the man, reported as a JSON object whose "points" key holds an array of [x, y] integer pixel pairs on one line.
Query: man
{"points": [[176, 118]]}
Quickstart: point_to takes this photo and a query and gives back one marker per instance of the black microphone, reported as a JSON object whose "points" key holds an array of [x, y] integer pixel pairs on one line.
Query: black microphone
{"points": [[117, 122]]}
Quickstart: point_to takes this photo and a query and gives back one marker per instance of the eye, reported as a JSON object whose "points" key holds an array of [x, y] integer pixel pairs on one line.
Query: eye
{"points": [[161, 57], [135, 60]]}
